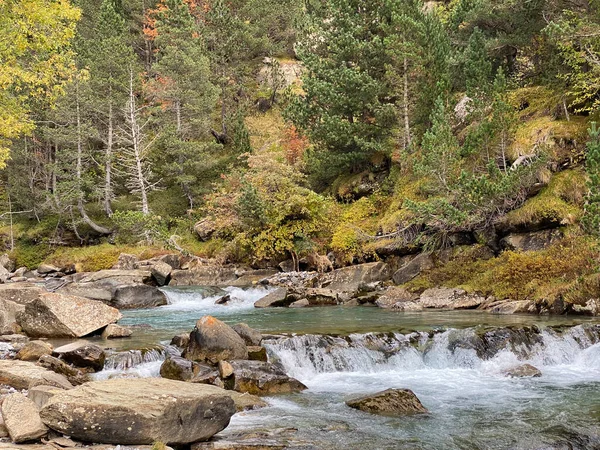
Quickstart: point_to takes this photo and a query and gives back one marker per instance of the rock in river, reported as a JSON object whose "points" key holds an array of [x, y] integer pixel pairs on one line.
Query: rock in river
{"points": [[24, 375], [82, 354], [391, 402], [261, 378], [213, 341], [58, 315], [523, 371], [139, 411]]}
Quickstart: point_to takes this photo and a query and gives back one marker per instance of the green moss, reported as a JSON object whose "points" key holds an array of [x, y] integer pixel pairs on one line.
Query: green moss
{"points": [[30, 256], [560, 202]]}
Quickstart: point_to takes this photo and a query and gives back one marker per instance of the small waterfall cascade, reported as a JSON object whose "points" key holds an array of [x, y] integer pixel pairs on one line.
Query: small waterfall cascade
{"points": [[489, 351], [203, 299], [139, 363]]}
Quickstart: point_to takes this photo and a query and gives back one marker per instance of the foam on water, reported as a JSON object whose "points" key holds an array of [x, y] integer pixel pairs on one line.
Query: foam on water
{"points": [[186, 299]]}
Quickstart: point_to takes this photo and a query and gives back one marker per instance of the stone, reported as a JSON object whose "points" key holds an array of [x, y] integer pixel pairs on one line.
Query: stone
{"points": [[25, 375], [287, 266], [323, 296], [55, 315], [276, 298], [261, 378], [181, 369], [22, 419], [136, 296], [523, 371], [440, 297], [413, 268], [352, 277], [139, 411], [253, 277], [3, 430], [126, 261], [536, 240], [8, 315], [33, 350], [391, 402], [223, 300], [244, 401], [463, 108], [407, 306], [113, 331], [21, 293], [161, 272], [45, 269], [40, 395], [75, 376], [257, 353], [512, 307], [4, 275], [225, 369], [172, 259], [249, 335], [7, 263], [213, 341], [205, 228], [394, 295], [82, 355], [302, 303], [181, 340]]}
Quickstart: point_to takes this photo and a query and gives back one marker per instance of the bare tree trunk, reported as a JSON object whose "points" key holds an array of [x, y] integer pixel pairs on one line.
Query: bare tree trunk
{"points": [[137, 150], [407, 138], [78, 173], [178, 117], [108, 163]]}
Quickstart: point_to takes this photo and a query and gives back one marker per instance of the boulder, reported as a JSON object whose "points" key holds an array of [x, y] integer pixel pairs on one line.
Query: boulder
{"points": [[21, 293], [225, 369], [22, 419], [536, 240], [172, 259], [45, 269], [139, 411], [181, 340], [8, 315], [205, 228], [324, 297], [274, 299], [7, 263], [352, 277], [82, 355], [3, 430], [181, 369], [4, 275], [511, 307], [287, 266], [223, 300], [261, 378], [213, 341], [391, 402], [249, 335], [523, 371], [257, 353], [138, 296], [447, 298], [126, 261], [394, 295], [302, 303], [412, 268], [57, 315], [161, 272], [75, 376], [34, 350], [252, 277], [113, 331], [24, 375]]}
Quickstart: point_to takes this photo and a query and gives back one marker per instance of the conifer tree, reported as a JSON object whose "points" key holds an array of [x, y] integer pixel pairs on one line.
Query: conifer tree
{"points": [[592, 166]]}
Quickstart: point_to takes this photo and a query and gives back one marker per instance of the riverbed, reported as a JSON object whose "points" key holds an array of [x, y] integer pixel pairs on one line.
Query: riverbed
{"points": [[344, 352]]}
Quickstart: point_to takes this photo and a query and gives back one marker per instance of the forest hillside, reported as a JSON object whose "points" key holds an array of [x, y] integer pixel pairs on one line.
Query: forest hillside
{"points": [[259, 132]]}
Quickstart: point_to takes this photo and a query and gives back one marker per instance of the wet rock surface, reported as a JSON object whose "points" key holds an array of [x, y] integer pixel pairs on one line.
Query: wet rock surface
{"points": [[261, 378], [214, 341], [139, 411], [391, 402]]}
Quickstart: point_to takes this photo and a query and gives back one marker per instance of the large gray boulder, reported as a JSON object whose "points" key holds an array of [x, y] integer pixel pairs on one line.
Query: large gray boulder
{"points": [[279, 297], [56, 315], [391, 402], [413, 267], [22, 419], [249, 335], [7, 263], [137, 296], [213, 341], [21, 293], [24, 375], [261, 378], [536, 240], [352, 277], [449, 298], [139, 411]]}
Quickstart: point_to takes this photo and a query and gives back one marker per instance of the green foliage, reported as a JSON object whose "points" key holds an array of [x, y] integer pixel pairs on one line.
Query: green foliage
{"points": [[592, 168]]}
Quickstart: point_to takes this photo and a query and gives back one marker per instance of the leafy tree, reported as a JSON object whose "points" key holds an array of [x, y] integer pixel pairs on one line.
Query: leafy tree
{"points": [[591, 219], [36, 60]]}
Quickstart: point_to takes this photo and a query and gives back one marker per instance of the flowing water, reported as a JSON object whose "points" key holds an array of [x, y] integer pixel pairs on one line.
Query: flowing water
{"points": [[446, 358]]}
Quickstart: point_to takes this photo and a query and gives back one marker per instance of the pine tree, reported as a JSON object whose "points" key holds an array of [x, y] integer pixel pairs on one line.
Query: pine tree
{"points": [[345, 110], [591, 219], [478, 68]]}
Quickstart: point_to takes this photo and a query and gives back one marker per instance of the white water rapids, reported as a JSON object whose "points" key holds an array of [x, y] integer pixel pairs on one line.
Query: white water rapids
{"points": [[456, 375]]}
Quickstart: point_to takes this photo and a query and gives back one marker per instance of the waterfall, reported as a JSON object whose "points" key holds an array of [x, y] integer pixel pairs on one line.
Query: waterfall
{"points": [[136, 363], [489, 352], [203, 299]]}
